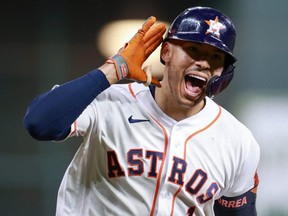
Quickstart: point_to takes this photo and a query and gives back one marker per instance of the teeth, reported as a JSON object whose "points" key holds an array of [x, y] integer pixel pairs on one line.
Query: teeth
{"points": [[198, 77]]}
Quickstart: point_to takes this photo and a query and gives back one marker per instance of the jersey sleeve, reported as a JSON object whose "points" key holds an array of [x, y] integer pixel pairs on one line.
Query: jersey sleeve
{"points": [[245, 178], [86, 120], [51, 114], [240, 198], [243, 205]]}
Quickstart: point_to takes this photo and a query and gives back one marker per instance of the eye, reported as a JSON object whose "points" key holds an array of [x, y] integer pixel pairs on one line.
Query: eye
{"points": [[218, 57], [193, 49]]}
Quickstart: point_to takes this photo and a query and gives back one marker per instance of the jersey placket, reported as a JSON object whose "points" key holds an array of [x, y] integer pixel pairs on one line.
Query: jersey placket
{"points": [[171, 179]]}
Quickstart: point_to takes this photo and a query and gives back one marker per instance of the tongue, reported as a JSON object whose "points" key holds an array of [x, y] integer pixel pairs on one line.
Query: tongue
{"points": [[194, 84], [191, 87]]}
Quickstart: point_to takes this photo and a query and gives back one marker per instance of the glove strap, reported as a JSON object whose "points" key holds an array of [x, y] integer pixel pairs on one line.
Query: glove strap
{"points": [[120, 64]]}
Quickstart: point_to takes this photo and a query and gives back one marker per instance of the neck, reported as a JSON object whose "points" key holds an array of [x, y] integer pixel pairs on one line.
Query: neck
{"points": [[175, 110]]}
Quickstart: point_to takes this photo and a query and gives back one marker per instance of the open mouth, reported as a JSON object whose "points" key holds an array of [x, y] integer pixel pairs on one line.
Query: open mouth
{"points": [[195, 83]]}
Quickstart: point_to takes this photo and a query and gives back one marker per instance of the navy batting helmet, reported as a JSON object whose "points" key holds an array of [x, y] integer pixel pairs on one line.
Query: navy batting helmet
{"points": [[209, 26]]}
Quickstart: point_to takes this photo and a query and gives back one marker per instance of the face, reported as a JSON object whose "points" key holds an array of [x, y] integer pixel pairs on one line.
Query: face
{"points": [[188, 67]]}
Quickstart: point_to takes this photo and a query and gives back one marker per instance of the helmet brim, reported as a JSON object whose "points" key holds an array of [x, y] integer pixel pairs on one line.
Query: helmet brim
{"points": [[205, 39]]}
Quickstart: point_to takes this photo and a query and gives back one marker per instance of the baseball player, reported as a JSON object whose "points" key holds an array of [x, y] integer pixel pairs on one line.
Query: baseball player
{"points": [[155, 147]]}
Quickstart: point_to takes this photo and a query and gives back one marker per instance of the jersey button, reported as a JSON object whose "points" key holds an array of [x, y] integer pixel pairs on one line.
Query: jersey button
{"points": [[165, 195]]}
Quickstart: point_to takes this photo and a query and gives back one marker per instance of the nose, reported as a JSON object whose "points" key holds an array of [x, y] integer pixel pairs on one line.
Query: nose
{"points": [[203, 64]]}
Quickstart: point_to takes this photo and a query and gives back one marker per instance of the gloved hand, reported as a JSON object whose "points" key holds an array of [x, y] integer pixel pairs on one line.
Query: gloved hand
{"points": [[130, 58]]}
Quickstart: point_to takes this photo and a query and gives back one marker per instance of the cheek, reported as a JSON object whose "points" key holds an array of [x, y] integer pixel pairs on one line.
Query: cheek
{"points": [[173, 76], [217, 71], [184, 57], [181, 60]]}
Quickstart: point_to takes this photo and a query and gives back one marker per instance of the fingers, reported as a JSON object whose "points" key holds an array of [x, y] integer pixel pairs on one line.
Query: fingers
{"points": [[155, 32], [150, 78], [147, 70], [154, 37], [152, 47], [146, 26], [148, 34], [156, 82]]}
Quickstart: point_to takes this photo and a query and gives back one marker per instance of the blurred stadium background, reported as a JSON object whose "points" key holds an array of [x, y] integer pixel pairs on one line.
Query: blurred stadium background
{"points": [[47, 42]]}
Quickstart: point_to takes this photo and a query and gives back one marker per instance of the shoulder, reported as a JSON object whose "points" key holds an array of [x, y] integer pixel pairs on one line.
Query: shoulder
{"points": [[229, 123], [236, 135], [239, 140], [127, 89]]}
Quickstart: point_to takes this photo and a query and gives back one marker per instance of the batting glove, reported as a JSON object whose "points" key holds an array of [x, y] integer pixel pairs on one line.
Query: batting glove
{"points": [[129, 60]]}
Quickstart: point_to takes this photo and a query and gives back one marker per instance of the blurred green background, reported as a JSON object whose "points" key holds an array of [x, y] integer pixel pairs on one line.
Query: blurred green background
{"points": [[43, 43]]}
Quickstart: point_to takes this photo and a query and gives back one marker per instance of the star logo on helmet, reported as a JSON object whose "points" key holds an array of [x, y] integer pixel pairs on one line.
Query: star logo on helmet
{"points": [[214, 27]]}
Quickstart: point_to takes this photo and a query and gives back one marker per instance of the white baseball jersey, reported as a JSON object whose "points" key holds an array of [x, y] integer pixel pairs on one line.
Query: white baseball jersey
{"points": [[136, 160]]}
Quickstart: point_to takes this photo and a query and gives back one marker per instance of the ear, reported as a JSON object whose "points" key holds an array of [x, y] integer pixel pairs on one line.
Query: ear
{"points": [[165, 52]]}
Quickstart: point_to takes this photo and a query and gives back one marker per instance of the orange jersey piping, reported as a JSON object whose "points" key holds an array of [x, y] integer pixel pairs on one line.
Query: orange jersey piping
{"points": [[185, 146]]}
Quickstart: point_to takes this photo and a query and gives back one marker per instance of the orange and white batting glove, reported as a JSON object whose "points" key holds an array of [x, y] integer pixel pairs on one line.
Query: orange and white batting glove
{"points": [[129, 60]]}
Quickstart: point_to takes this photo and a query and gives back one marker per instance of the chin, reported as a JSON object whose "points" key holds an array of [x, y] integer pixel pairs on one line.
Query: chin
{"points": [[198, 100]]}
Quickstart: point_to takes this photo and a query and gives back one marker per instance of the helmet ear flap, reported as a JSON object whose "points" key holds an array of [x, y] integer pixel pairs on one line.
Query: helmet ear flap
{"points": [[218, 83]]}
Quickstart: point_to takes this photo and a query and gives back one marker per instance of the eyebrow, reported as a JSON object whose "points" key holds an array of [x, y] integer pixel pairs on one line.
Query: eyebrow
{"points": [[215, 49]]}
